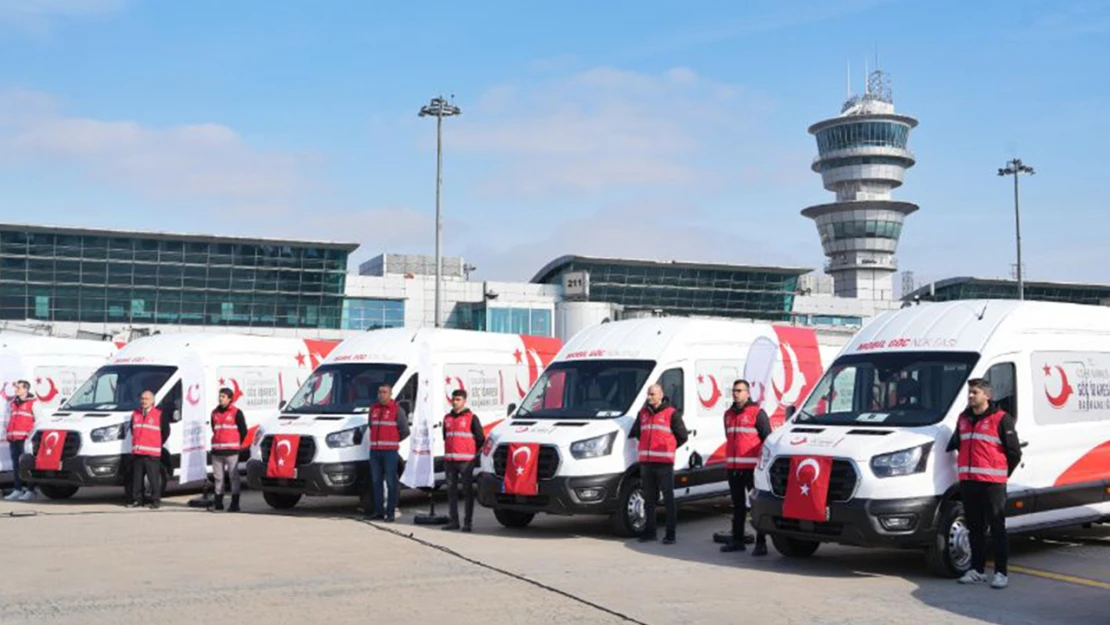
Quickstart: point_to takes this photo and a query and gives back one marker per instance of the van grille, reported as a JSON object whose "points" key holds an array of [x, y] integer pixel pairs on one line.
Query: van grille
{"points": [[842, 482], [548, 461], [306, 451]]}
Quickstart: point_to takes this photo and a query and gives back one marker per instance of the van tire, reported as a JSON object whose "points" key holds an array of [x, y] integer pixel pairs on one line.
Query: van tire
{"points": [[794, 547], [58, 491], [624, 520], [280, 501], [949, 555], [512, 518]]}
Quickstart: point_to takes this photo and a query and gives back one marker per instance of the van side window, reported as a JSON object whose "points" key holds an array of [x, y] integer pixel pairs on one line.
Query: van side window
{"points": [[1002, 378], [171, 403], [671, 380], [407, 397]]}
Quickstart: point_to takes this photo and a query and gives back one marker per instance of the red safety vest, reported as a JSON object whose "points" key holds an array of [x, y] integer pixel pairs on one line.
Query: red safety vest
{"points": [[657, 441], [22, 419], [982, 457], [384, 434], [458, 439], [146, 433], [225, 433], [743, 446]]}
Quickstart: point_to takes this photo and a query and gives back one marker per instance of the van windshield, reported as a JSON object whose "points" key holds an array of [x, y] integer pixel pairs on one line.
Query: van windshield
{"points": [[117, 387], [346, 388], [586, 389], [902, 389]]}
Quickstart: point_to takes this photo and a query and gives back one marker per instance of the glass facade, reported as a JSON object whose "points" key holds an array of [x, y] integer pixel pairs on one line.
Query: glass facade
{"points": [[862, 134], [372, 314], [839, 230], [974, 288], [834, 163], [514, 320], [688, 289], [105, 277]]}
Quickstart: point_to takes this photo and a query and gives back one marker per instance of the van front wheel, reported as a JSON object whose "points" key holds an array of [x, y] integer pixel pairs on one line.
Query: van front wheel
{"points": [[949, 555], [512, 518], [280, 501], [58, 491], [630, 518], [794, 547]]}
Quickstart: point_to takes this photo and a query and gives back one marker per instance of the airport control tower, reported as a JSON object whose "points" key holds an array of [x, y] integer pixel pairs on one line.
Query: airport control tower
{"points": [[862, 157]]}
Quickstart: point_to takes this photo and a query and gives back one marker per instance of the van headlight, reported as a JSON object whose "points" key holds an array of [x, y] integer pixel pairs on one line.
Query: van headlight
{"points": [[115, 432], [905, 462], [593, 447], [345, 438]]}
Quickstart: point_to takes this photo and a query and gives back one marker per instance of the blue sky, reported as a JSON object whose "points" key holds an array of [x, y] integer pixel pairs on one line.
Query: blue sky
{"points": [[619, 128]]}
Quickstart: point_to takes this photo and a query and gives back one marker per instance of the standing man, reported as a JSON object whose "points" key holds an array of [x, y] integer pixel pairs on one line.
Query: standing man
{"points": [[661, 432], [746, 427], [149, 431], [462, 437], [389, 425], [229, 430], [988, 451], [21, 422]]}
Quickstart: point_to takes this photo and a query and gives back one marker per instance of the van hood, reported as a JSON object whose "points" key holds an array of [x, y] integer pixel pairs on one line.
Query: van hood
{"points": [[313, 424], [82, 421], [858, 443], [555, 431]]}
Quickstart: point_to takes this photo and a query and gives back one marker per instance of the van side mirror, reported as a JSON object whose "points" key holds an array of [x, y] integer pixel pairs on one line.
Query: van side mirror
{"points": [[511, 410], [281, 404], [790, 410]]}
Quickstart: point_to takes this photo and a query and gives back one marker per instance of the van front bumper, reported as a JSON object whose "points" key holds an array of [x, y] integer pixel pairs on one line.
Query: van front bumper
{"points": [[594, 494], [892, 523], [316, 479], [79, 471]]}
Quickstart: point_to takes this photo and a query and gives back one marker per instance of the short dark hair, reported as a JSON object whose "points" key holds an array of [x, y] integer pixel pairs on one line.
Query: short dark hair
{"points": [[24, 383], [458, 393], [747, 386], [982, 384], [226, 391]]}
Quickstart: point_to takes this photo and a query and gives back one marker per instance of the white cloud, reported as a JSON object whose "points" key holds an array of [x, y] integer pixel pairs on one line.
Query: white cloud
{"points": [[203, 160], [608, 129]]}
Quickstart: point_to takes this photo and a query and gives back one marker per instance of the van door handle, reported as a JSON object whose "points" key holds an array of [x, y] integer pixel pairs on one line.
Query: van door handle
{"points": [[1024, 444], [693, 432]]}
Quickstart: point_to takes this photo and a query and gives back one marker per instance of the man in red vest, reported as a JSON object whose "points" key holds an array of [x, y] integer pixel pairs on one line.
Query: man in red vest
{"points": [[746, 427], [229, 430], [24, 410], [389, 425], [462, 438], [661, 432], [988, 451], [149, 431]]}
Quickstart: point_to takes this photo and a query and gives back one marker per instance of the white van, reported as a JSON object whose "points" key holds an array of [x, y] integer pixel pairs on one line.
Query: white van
{"points": [[330, 411], [582, 407], [886, 409], [97, 416], [53, 366]]}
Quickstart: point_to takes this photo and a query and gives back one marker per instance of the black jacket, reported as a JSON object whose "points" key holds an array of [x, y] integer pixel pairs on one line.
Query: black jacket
{"points": [[762, 422], [678, 428], [240, 424], [402, 424], [1007, 432], [475, 428]]}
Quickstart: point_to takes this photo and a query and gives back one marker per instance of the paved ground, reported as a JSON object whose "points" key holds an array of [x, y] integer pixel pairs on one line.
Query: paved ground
{"points": [[88, 560]]}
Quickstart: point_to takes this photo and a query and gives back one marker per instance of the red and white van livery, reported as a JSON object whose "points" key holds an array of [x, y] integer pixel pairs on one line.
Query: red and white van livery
{"points": [[580, 411], [886, 409], [330, 411]]}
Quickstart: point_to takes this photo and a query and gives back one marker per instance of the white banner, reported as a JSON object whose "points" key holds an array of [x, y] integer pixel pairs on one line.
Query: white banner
{"points": [[195, 436], [420, 469]]}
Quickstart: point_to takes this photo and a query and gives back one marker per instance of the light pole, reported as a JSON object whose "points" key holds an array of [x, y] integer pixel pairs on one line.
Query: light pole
{"points": [[439, 108], [1016, 168]]}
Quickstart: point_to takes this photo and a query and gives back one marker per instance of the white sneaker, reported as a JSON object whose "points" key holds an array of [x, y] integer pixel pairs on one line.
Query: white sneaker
{"points": [[972, 577], [28, 495], [1000, 581], [14, 495]]}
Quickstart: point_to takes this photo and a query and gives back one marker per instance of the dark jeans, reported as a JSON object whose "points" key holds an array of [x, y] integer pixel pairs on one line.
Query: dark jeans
{"points": [[985, 507], [456, 471], [654, 477], [150, 466], [16, 448], [739, 482], [383, 470]]}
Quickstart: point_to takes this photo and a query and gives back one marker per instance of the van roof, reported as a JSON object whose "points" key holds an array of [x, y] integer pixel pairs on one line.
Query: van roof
{"points": [[651, 338], [400, 344], [28, 344], [968, 325], [163, 347]]}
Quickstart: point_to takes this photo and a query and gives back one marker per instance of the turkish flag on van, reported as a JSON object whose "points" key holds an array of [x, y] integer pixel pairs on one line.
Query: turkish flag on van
{"points": [[48, 456], [283, 456], [807, 488], [522, 469]]}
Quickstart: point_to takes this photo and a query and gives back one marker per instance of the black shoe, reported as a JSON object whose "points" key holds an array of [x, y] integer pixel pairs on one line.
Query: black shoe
{"points": [[748, 539], [668, 540], [760, 549], [218, 502], [648, 538], [730, 546], [154, 505], [450, 526], [135, 504], [234, 507], [389, 519], [467, 528]]}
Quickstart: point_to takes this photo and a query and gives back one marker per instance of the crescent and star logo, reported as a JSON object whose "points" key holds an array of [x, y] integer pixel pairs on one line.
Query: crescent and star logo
{"points": [[282, 455], [534, 366], [51, 392], [5, 393], [1066, 390], [50, 441], [458, 385], [527, 457], [236, 392], [791, 373], [714, 393], [193, 395], [808, 462], [799, 440]]}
